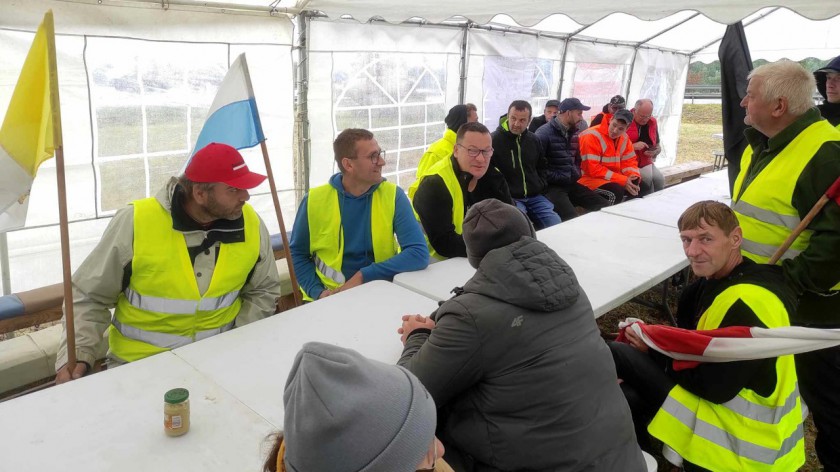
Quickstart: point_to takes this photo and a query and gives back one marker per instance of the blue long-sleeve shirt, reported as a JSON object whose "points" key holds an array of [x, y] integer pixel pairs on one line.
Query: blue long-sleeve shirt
{"points": [[358, 243]]}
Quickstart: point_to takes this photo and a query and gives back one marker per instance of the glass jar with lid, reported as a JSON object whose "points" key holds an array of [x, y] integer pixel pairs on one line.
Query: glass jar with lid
{"points": [[176, 412]]}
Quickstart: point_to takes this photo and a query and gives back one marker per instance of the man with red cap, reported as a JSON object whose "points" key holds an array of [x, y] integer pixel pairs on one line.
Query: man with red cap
{"points": [[189, 263]]}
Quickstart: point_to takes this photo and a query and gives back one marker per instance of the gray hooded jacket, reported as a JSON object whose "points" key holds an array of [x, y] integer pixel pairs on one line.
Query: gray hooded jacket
{"points": [[517, 365]]}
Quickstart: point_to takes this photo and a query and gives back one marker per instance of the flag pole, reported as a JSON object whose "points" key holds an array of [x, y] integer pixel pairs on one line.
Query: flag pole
{"points": [[62, 194], [273, 187], [833, 193], [288, 255]]}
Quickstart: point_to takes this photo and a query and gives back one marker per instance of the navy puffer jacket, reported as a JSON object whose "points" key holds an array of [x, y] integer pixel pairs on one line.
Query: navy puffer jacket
{"points": [[560, 150]]}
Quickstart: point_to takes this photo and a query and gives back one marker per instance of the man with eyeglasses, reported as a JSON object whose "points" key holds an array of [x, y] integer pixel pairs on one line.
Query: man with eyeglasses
{"points": [[344, 230], [442, 194], [559, 139], [518, 155], [644, 134], [828, 84]]}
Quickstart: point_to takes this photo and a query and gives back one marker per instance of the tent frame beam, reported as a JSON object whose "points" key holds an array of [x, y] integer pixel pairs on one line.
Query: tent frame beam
{"points": [[760, 17]]}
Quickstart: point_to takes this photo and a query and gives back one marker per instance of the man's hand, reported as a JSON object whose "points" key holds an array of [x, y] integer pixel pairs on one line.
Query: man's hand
{"points": [[653, 152], [326, 293], [412, 322], [354, 281], [638, 146], [635, 340], [63, 374], [631, 187]]}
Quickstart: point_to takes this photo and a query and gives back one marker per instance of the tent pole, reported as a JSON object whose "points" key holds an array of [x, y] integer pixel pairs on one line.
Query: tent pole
{"points": [[4, 264], [302, 85], [630, 75], [760, 17], [462, 83], [566, 42]]}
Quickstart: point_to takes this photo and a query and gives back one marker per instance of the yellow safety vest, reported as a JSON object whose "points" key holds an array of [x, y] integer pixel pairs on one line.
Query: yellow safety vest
{"points": [[447, 173], [326, 233], [439, 150], [749, 432], [764, 208], [162, 309]]}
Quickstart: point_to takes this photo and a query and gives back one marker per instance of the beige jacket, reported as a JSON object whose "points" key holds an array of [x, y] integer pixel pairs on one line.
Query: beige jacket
{"points": [[98, 281]]}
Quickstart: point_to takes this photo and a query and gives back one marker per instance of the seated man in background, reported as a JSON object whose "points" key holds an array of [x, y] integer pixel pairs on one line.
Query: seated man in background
{"points": [[346, 413], [551, 109], [344, 230], [644, 134], [742, 415], [616, 103], [828, 84], [518, 155], [559, 139], [515, 361], [441, 149], [443, 194], [608, 162], [189, 263]]}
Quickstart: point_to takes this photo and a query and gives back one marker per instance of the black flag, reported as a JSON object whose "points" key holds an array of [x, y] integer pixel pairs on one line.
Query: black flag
{"points": [[735, 65]]}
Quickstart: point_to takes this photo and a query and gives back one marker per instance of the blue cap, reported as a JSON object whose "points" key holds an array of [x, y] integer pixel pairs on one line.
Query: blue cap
{"points": [[572, 104]]}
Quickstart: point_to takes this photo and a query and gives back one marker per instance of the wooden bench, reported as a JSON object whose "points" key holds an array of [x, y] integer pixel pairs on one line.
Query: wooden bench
{"points": [[679, 173]]}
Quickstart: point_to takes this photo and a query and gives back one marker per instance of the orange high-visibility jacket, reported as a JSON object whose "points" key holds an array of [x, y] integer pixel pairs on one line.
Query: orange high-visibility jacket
{"points": [[604, 159]]}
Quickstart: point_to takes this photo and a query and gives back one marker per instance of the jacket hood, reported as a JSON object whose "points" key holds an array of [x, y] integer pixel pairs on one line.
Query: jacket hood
{"points": [[833, 65], [335, 181], [527, 274]]}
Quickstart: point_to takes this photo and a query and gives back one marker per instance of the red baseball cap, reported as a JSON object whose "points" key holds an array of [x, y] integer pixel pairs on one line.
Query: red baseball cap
{"points": [[219, 162]]}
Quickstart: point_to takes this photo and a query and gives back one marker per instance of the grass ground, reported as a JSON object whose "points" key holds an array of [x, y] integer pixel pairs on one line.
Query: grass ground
{"points": [[695, 141]]}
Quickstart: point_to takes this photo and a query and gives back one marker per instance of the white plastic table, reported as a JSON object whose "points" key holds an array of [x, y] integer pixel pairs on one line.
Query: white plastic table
{"points": [[614, 258], [253, 362], [114, 421], [666, 206]]}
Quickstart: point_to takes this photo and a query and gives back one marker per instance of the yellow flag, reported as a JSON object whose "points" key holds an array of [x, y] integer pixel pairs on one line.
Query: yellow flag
{"points": [[28, 134]]}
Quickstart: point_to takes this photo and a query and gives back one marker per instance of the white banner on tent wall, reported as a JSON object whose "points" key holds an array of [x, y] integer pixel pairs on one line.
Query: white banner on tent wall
{"points": [[660, 76], [363, 76], [594, 73]]}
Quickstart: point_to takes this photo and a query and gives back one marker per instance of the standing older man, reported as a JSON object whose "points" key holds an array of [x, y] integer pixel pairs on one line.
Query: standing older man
{"points": [[443, 194], [552, 107], [792, 158], [828, 84], [608, 162], [518, 155], [344, 230], [559, 138], [644, 133]]}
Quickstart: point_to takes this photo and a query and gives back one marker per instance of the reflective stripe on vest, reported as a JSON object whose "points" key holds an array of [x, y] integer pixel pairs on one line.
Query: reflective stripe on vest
{"points": [[749, 432], [326, 235], [162, 297], [447, 173], [173, 306], [764, 205], [164, 340]]}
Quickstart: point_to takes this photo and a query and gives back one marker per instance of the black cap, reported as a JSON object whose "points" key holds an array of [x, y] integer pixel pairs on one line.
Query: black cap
{"points": [[618, 101], [623, 115], [552, 103], [572, 103]]}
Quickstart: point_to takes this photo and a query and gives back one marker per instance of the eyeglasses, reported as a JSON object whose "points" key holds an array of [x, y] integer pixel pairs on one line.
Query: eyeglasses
{"points": [[374, 156], [472, 152], [434, 461]]}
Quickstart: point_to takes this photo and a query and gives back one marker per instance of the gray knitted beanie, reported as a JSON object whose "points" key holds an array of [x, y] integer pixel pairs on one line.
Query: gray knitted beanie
{"points": [[347, 413], [491, 224]]}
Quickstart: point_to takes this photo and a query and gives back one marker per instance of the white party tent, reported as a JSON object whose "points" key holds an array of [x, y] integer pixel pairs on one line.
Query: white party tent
{"points": [[138, 76]]}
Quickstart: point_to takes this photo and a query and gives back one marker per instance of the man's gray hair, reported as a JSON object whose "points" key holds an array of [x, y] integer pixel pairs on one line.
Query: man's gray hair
{"points": [[642, 101], [786, 79]]}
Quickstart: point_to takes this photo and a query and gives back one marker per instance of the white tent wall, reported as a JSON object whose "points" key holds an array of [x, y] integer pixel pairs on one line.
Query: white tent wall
{"points": [[503, 67], [595, 72], [660, 76], [396, 80], [135, 85]]}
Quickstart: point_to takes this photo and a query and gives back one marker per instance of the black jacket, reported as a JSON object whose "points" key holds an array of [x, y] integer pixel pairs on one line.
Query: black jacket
{"points": [[829, 111], [560, 146], [536, 123], [433, 204], [520, 159], [518, 367]]}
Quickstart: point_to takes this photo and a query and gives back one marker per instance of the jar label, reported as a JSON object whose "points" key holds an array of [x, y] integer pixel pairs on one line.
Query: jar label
{"points": [[172, 422]]}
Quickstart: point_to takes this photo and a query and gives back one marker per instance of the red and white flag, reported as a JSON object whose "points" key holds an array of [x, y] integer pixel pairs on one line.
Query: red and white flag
{"points": [[736, 343]]}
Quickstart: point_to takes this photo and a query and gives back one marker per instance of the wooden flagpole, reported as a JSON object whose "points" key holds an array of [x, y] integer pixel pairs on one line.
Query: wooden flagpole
{"points": [[274, 197], [55, 107]]}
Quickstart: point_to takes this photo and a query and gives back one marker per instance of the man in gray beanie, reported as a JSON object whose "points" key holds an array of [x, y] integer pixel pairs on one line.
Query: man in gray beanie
{"points": [[345, 412], [515, 361]]}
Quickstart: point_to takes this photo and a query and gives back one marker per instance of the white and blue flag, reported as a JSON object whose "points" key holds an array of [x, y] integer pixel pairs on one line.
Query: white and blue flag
{"points": [[233, 118]]}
